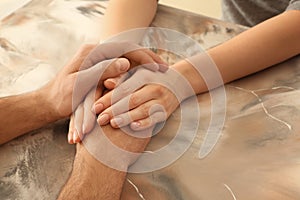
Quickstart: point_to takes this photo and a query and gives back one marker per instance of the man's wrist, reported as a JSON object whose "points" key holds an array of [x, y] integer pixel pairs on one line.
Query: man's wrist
{"points": [[44, 104], [90, 179], [92, 165]]}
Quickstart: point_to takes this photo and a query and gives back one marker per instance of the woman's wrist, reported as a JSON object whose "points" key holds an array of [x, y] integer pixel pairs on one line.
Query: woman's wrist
{"points": [[190, 73]]}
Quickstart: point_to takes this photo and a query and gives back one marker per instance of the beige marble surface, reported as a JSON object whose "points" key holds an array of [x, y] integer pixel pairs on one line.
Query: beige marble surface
{"points": [[257, 156]]}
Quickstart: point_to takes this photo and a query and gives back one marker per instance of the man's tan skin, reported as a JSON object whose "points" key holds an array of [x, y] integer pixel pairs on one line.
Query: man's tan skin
{"points": [[90, 179], [35, 109]]}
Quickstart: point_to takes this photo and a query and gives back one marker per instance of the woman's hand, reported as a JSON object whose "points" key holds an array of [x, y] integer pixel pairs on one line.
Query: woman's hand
{"points": [[143, 100]]}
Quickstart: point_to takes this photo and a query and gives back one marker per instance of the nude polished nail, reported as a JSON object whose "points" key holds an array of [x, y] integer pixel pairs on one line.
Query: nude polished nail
{"points": [[118, 121], [135, 125], [97, 108], [70, 137], [123, 64], [103, 119]]}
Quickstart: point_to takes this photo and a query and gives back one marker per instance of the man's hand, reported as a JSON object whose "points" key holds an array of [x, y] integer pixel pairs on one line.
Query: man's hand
{"points": [[58, 93], [86, 64], [92, 176], [53, 101], [83, 119], [101, 162]]}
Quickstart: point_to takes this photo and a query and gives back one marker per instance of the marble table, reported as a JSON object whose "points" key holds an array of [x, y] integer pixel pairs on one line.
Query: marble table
{"points": [[256, 157]]}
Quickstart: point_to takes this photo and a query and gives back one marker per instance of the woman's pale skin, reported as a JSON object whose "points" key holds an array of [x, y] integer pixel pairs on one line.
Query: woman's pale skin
{"points": [[264, 45], [112, 26], [269, 43]]}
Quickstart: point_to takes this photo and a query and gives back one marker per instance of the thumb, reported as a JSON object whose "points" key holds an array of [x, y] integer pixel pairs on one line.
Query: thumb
{"points": [[112, 83], [76, 62], [90, 78], [116, 68]]}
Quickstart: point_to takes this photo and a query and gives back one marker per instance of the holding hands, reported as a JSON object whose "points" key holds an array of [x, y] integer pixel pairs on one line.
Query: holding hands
{"points": [[143, 100], [101, 62]]}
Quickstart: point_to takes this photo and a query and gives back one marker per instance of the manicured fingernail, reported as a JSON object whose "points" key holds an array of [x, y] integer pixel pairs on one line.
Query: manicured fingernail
{"points": [[69, 137], [164, 67], [103, 119], [122, 63], [97, 108], [135, 125], [118, 121], [112, 83], [155, 66]]}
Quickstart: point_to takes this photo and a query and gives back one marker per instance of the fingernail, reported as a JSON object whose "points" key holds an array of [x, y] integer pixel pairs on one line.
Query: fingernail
{"points": [[112, 82], [117, 121], [97, 108], [164, 67], [157, 66], [123, 64], [79, 135], [69, 137], [74, 137], [153, 67], [83, 129], [135, 125], [103, 119]]}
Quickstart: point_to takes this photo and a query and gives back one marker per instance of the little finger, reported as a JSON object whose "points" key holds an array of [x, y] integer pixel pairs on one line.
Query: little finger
{"points": [[153, 119]]}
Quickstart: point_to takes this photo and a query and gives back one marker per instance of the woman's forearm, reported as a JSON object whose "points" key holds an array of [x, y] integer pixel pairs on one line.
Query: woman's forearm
{"points": [[122, 15], [260, 47]]}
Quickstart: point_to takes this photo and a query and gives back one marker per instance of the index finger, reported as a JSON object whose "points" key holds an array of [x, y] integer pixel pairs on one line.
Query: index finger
{"points": [[87, 79], [75, 63], [106, 51], [135, 82], [148, 59]]}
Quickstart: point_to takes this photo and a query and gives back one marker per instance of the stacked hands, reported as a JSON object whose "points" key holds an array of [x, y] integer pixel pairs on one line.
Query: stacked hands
{"points": [[125, 85]]}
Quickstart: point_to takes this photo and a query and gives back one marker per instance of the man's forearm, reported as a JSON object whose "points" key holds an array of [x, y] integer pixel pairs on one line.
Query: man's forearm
{"points": [[90, 179], [122, 15], [22, 113]]}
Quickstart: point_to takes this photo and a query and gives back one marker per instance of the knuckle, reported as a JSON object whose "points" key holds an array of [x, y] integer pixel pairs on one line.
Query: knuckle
{"points": [[134, 101], [145, 123], [149, 122], [144, 110], [111, 112], [124, 89], [158, 90]]}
